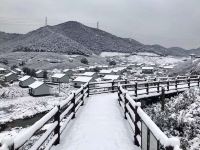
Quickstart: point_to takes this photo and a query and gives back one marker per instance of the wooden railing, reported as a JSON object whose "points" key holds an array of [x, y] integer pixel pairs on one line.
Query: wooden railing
{"points": [[108, 86], [57, 120], [147, 134], [154, 88], [142, 87]]}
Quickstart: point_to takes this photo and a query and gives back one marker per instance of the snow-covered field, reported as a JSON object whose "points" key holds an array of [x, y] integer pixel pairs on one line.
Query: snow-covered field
{"points": [[16, 103], [144, 57], [155, 60], [111, 54]]}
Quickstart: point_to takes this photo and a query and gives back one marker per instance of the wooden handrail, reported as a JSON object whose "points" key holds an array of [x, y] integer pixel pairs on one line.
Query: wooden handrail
{"points": [[55, 116]]}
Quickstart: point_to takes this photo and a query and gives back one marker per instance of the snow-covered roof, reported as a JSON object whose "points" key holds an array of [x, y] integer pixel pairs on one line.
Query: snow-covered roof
{"points": [[168, 67], [105, 71], [2, 69], [9, 74], [81, 69], [147, 68], [65, 70], [58, 75], [88, 73], [18, 69], [82, 79], [111, 77], [24, 78], [36, 84], [39, 71]]}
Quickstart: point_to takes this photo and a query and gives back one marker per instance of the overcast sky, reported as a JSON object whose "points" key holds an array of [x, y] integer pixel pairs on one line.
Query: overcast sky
{"points": [[165, 22]]}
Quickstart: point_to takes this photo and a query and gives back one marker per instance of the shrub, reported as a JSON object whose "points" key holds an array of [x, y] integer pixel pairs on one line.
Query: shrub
{"points": [[96, 69], [84, 61], [112, 63]]}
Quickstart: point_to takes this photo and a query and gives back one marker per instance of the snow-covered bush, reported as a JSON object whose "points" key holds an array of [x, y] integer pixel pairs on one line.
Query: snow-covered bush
{"points": [[181, 118]]}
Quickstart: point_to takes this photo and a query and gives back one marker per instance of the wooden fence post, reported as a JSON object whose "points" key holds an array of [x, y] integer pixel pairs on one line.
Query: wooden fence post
{"points": [[169, 148], [119, 93], [168, 85], [136, 85], [162, 99], [147, 86], [137, 130], [126, 82], [113, 82], [188, 81], [125, 108], [176, 84], [88, 86], [158, 87], [74, 106], [82, 98], [57, 128]]}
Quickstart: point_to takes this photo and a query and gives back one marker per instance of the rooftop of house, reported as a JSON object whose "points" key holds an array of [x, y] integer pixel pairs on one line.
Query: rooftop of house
{"points": [[88, 73], [2, 69], [105, 71], [24, 78], [147, 68], [39, 71], [111, 77], [82, 79], [36, 84], [10, 73], [58, 75]]}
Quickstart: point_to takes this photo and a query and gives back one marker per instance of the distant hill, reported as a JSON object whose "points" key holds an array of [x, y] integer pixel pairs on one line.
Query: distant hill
{"points": [[75, 38]]}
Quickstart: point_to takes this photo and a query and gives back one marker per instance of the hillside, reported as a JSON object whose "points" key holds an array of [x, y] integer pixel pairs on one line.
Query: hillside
{"points": [[75, 38]]}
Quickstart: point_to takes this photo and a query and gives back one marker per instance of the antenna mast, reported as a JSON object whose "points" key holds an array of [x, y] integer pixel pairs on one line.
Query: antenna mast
{"points": [[97, 24], [45, 21]]}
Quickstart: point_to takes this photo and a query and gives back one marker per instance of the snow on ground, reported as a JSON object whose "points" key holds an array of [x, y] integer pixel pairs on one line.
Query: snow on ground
{"points": [[154, 60], [147, 54], [18, 104], [100, 125], [111, 54]]}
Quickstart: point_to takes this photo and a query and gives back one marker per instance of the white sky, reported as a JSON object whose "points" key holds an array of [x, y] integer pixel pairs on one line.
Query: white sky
{"points": [[165, 22]]}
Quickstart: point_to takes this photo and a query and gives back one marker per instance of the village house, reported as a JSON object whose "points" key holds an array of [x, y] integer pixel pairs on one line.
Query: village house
{"points": [[168, 68], [39, 88], [81, 80], [111, 77], [147, 70], [3, 71], [40, 74], [81, 70], [60, 78], [91, 68], [26, 81], [102, 73], [10, 77], [18, 71], [68, 72], [90, 74]]}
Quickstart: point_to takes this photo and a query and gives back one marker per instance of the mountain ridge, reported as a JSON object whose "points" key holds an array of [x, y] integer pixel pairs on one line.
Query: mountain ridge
{"points": [[75, 38]]}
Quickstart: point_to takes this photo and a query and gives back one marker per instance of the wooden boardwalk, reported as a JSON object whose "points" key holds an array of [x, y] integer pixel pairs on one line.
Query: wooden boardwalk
{"points": [[100, 125]]}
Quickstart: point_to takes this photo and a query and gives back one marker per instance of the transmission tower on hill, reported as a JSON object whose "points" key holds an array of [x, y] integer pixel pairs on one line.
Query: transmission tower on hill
{"points": [[45, 21]]}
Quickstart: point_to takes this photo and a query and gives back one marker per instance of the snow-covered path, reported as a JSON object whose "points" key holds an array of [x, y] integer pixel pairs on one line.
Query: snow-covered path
{"points": [[98, 126]]}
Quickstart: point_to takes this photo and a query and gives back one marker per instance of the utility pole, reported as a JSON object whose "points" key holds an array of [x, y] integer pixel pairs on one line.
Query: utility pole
{"points": [[97, 24], [45, 21]]}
